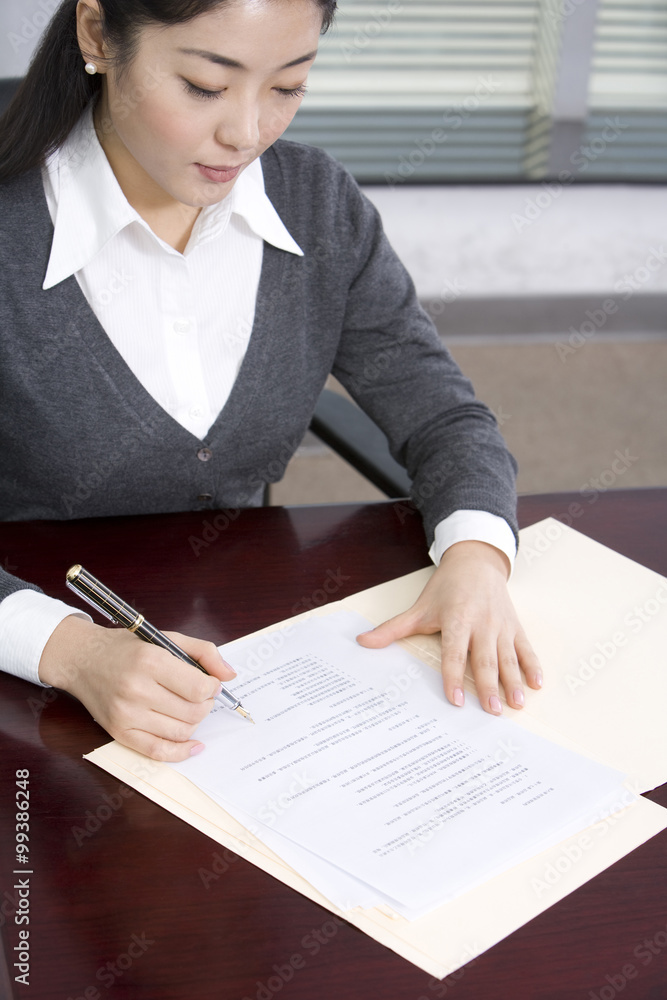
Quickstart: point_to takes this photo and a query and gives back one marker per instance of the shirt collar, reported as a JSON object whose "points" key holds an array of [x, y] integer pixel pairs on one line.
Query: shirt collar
{"points": [[88, 207]]}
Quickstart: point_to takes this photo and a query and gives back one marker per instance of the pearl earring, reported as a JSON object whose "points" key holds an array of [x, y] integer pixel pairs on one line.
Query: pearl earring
{"points": [[90, 68]]}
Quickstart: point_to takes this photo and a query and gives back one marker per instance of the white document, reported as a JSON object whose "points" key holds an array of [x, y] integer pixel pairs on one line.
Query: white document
{"points": [[382, 791]]}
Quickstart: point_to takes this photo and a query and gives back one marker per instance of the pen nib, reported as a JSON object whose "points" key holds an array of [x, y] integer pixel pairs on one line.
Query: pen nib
{"points": [[246, 715]]}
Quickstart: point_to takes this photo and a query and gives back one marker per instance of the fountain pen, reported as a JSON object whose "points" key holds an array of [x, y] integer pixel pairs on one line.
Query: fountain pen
{"points": [[118, 611]]}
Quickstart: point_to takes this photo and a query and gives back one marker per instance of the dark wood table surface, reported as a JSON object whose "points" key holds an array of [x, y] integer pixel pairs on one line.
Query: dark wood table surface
{"points": [[127, 901]]}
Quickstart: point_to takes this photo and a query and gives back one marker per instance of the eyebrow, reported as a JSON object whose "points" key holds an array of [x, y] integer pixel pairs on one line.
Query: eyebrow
{"points": [[234, 64]]}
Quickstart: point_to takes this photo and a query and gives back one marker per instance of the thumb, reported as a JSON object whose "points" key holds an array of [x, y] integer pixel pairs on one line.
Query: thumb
{"points": [[394, 628], [205, 653]]}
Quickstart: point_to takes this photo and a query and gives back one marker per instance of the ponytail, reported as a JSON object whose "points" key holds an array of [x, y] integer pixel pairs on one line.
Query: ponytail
{"points": [[57, 89], [49, 101]]}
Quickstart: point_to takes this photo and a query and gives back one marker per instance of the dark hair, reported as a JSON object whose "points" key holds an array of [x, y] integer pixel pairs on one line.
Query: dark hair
{"points": [[57, 89]]}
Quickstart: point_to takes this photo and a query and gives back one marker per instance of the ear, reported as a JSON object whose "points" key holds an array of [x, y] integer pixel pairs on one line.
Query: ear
{"points": [[90, 34]]}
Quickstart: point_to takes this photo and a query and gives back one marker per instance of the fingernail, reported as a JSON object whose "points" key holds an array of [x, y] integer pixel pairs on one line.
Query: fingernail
{"points": [[459, 697], [197, 749], [539, 678], [494, 704], [518, 697], [217, 690]]}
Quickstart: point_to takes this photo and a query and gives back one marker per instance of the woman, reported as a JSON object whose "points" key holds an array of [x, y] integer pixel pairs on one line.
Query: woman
{"points": [[143, 241]]}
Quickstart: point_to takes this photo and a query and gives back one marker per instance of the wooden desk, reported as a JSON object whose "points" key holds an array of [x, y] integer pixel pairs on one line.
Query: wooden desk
{"points": [[121, 905]]}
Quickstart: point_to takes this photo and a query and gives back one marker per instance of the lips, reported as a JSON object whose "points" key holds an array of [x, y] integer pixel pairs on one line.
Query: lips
{"points": [[219, 175]]}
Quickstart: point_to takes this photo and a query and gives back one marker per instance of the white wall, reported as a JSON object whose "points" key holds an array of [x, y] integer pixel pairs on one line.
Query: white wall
{"points": [[21, 24], [493, 240]]}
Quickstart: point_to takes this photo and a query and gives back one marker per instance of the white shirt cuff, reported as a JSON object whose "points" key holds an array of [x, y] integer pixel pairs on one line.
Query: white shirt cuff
{"points": [[473, 526], [27, 621]]}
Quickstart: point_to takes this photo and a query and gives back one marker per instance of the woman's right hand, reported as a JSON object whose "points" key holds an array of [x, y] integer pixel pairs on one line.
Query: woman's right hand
{"points": [[143, 696]]}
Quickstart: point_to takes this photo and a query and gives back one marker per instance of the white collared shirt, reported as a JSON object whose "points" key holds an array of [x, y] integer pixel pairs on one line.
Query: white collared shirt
{"points": [[182, 323]]}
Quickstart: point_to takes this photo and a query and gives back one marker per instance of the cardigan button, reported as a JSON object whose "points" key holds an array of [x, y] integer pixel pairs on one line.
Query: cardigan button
{"points": [[204, 454], [205, 497]]}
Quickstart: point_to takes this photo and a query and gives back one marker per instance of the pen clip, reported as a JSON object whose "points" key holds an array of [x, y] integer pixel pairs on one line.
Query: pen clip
{"points": [[85, 598]]}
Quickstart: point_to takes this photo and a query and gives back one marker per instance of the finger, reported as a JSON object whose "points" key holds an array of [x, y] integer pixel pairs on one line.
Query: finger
{"points": [[157, 748], [407, 623], [510, 673], [184, 711], [165, 727], [205, 653], [528, 661], [484, 664], [455, 639], [170, 676]]}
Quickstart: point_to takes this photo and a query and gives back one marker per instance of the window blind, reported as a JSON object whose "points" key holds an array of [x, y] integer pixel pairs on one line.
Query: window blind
{"points": [[422, 90], [410, 91], [629, 85]]}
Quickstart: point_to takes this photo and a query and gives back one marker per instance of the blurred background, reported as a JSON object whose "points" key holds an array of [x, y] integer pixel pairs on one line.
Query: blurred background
{"points": [[517, 152]]}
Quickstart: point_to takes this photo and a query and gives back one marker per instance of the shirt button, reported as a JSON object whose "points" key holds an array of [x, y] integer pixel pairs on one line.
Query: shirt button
{"points": [[204, 454], [182, 326], [195, 412], [205, 497]]}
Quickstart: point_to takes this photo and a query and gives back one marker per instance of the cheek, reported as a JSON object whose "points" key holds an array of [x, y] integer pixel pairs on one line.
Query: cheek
{"points": [[277, 119], [160, 133]]}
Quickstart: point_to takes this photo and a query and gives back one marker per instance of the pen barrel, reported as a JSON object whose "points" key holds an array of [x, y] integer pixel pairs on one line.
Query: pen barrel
{"points": [[149, 633], [100, 597]]}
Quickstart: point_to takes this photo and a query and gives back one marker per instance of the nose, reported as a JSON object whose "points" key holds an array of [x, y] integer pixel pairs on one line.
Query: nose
{"points": [[240, 126]]}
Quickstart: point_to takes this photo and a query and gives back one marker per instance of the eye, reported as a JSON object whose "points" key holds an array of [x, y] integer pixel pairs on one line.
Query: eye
{"points": [[296, 92], [199, 92]]}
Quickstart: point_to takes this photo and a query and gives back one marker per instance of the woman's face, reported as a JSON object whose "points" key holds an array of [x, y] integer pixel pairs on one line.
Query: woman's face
{"points": [[202, 100]]}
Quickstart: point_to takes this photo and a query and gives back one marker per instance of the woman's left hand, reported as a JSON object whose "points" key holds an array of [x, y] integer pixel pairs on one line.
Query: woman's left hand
{"points": [[467, 600]]}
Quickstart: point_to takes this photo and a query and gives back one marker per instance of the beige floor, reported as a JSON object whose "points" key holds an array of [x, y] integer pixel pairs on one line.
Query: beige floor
{"points": [[594, 416]]}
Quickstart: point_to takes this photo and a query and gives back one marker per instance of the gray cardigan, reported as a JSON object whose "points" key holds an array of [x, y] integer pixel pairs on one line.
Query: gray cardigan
{"points": [[81, 437]]}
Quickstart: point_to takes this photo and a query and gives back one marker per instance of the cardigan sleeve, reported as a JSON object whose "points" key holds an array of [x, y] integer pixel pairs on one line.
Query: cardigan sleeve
{"points": [[9, 584], [393, 363]]}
